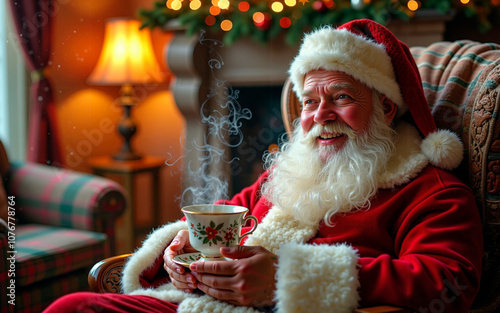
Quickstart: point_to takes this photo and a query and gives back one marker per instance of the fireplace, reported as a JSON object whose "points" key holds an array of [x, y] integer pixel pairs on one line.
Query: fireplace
{"points": [[257, 73]]}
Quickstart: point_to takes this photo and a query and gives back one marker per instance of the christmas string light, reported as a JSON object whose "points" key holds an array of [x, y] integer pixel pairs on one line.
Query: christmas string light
{"points": [[413, 5], [265, 19]]}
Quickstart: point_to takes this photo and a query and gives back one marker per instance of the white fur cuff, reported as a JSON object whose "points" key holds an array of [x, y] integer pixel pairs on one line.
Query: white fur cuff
{"points": [[145, 257], [318, 278]]}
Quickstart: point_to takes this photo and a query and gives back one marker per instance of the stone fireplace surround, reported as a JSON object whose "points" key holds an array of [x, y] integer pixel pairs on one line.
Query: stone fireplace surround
{"points": [[246, 63]]}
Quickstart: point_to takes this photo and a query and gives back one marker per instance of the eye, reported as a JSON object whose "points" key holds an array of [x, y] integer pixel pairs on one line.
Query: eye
{"points": [[344, 97], [309, 102]]}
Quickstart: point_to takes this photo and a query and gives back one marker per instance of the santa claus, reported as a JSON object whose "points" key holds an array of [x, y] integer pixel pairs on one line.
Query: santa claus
{"points": [[358, 208]]}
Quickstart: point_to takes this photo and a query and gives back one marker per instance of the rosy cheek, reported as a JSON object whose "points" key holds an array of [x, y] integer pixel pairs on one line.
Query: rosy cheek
{"points": [[357, 119], [306, 120]]}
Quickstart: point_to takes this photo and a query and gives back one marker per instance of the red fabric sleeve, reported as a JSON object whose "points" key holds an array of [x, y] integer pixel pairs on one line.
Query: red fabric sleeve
{"points": [[438, 253], [155, 275]]}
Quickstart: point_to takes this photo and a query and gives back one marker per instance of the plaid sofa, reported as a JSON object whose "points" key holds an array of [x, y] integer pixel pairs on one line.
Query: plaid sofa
{"points": [[64, 224]]}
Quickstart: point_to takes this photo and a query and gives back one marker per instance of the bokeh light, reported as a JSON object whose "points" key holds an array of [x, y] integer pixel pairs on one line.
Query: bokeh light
{"points": [[413, 5], [210, 20], [195, 5], [277, 6], [329, 4], [226, 25], [273, 148], [223, 4], [285, 22], [258, 17], [214, 10], [244, 6], [176, 5], [291, 3]]}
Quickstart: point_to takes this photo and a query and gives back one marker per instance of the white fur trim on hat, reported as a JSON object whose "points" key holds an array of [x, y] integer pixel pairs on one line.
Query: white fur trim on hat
{"points": [[317, 278], [443, 148], [340, 50]]}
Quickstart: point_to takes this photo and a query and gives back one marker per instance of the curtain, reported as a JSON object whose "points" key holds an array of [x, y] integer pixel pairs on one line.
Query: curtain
{"points": [[33, 22]]}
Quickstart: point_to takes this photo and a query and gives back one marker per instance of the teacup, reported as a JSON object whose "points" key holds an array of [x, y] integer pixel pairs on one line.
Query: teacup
{"points": [[212, 226]]}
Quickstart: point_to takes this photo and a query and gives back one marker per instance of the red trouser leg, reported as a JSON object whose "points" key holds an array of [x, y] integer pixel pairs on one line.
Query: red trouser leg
{"points": [[89, 302]]}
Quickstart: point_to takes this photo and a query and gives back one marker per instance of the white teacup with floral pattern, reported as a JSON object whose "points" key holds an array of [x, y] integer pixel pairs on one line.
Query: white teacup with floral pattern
{"points": [[212, 226]]}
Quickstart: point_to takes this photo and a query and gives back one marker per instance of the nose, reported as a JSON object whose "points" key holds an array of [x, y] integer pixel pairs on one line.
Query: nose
{"points": [[325, 113]]}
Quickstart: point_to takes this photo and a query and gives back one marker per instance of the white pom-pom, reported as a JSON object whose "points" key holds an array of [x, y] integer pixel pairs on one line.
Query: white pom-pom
{"points": [[444, 149]]}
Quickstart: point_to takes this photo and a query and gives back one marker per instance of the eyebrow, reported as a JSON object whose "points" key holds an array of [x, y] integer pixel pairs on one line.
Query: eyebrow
{"points": [[335, 86], [342, 85], [306, 92]]}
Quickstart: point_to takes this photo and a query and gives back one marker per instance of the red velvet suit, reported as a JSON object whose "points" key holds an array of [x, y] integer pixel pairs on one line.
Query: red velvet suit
{"points": [[420, 244]]}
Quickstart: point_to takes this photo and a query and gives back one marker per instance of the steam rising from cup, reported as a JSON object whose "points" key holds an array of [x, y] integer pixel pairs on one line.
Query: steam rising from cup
{"points": [[223, 115]]}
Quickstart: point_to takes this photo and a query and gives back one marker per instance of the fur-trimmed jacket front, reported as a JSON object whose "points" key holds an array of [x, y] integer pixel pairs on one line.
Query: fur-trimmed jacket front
{"points": [[419, 243]]}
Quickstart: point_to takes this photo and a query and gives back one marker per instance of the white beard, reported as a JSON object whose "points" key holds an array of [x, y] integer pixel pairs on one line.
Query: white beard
{"points": [[312, 189]]}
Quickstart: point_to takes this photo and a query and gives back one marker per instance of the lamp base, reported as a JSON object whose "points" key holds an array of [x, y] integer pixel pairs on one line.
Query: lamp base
{"points": [[127, 127]]}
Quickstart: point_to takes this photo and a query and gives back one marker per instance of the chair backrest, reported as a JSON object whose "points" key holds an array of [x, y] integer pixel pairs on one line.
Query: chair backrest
{"points": [[461, 81]]}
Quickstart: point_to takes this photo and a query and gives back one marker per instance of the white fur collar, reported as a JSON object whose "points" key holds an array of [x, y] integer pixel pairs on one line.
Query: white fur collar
{"points": [[278, 228], [408, 160]]}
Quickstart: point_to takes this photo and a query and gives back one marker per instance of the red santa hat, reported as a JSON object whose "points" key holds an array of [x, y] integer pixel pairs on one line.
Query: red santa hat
{"points": [[372, 54]]}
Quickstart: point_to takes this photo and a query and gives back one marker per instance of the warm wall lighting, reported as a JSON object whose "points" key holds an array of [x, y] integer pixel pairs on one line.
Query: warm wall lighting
{"points": [[126, 59]]}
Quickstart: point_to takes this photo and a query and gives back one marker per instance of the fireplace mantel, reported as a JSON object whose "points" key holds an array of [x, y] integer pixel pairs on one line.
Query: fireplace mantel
{"points": [[246, 63]]}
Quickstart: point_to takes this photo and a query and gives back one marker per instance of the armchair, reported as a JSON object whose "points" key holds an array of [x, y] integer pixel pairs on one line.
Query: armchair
{"points": [[58, 223], [462, 85]]}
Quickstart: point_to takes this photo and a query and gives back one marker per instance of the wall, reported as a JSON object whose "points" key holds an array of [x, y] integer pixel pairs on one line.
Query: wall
{"points": [[87, 116], [461, 28]]}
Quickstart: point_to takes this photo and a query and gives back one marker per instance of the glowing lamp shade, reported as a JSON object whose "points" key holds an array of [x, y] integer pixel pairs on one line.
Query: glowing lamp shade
{"points": [[127, 55], [126, 59]]}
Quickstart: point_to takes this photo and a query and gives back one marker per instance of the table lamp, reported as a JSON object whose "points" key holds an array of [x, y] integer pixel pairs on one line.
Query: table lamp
{"points": [[126, 59]]}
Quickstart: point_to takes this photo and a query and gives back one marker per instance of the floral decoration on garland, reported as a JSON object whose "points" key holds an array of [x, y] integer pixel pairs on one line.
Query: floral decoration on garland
{"points": [[263, 20]]}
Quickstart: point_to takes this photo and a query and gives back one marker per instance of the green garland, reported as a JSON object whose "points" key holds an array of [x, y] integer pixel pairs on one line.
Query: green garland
{"points": [[312, 13]]}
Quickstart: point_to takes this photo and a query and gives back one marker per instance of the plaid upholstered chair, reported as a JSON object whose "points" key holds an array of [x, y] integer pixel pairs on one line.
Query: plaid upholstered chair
{"points": [[462, 85], [64, 223]]}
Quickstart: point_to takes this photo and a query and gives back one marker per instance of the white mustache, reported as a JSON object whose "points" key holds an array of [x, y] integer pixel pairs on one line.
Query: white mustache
{"points": [[329, 128]]}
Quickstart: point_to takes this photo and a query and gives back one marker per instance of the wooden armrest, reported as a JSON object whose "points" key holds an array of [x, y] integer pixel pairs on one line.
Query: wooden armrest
{"points": [[105, 275], [382, 309]]}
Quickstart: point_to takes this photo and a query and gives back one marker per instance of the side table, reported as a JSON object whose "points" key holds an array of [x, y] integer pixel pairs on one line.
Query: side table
{"points": [[106, 166]]}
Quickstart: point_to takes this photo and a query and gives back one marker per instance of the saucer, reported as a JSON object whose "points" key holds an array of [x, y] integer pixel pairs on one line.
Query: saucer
{"points": [[187, 258]]}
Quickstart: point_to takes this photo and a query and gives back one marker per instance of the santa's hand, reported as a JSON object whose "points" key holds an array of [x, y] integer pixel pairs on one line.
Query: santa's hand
{"points": [[180, 278], [249, 280]]}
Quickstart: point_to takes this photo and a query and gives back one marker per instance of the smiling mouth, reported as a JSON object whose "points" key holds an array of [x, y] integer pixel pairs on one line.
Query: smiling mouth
{"points": [[330, 136]]}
